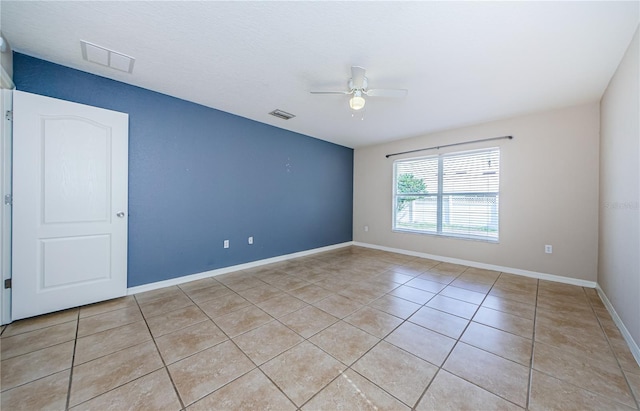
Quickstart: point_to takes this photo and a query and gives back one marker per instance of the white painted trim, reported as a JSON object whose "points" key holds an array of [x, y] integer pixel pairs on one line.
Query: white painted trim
{"points": [[633, 346], [510, 270], [225, 270], [5, 213], [5, 80], [635, 350]]}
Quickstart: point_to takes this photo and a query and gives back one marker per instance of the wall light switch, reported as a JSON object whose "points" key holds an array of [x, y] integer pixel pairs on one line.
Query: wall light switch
{"points": [[548, 249], [226, 244], [366, 228], [250, 241]]}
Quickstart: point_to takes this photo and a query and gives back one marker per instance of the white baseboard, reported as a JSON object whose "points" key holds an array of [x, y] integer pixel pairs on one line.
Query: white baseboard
{"points": [[510, 270], [635, 350], [225, 270], [633, 346]]}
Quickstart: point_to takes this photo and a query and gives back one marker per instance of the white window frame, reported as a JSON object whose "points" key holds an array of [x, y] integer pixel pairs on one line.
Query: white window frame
{"points": [[439, 197]]}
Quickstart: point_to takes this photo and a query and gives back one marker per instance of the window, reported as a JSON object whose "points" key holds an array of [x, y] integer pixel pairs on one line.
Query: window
{"points": [[453, 194]]}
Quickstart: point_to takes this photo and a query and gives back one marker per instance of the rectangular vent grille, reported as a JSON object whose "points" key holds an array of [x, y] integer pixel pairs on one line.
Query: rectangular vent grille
{"points": [[282, 114], [105, 57]]}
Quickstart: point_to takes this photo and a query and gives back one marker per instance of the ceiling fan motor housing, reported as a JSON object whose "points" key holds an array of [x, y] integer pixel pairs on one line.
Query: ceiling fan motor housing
{"points": [[352, 86]]}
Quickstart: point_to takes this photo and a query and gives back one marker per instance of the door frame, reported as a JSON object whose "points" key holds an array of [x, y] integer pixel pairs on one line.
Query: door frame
{"points": [[6, 107]]}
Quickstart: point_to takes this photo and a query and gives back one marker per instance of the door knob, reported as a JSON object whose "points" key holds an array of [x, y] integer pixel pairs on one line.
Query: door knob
{"points": [[120, 214]]}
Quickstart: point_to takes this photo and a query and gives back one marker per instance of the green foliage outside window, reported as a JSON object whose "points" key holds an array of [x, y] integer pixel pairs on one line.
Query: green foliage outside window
{"points": [[408, 184]]}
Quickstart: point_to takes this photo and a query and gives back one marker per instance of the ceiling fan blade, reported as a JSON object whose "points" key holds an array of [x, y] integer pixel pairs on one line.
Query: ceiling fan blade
{"points": [[357, 76], [330, 92], [380, 92]]}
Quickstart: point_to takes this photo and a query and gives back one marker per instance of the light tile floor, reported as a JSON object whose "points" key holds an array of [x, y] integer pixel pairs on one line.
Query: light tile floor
{"points": [[348, 329]]}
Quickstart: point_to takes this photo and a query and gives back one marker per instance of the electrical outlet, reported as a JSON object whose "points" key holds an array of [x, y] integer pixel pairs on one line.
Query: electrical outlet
{"points": [[366, 228], [548, 249], [225, 244], [250, 240]]}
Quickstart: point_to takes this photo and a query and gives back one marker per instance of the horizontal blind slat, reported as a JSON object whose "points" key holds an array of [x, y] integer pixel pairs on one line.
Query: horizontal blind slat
{"points": [[470, 194]]}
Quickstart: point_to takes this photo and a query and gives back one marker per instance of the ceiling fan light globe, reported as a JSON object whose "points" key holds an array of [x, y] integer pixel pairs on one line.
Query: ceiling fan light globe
{"points": [[357, 103]]}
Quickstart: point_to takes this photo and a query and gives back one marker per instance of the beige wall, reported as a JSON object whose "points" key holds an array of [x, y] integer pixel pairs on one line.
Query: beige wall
{"points": [[548, 194], [619, 251]]}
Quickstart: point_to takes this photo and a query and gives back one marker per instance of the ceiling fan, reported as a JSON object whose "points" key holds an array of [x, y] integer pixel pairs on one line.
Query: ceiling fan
{"points": [[358, 88]]}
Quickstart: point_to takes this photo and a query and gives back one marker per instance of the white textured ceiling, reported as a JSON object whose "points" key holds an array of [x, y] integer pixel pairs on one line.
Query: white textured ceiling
{"points": [[462, 62]]}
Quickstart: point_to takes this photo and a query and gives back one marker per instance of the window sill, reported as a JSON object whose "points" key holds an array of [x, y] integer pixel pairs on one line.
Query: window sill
{"points": [[453, 236]]}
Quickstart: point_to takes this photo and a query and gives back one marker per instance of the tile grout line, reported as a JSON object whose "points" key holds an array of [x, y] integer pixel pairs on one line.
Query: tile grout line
{"points": [[164, 364], [115, 310], [533, 337], [73, 358], [116, 351], [439, 367], [240, 349], [299, 343], [399, 325], [35, 329], [140, 343], [597, 394], [119, 386], [349, 367], [295, 345], [533, 346], [215, 345], [274, 383], [615, 355], [497, 355], [404, 320], [470, 320], [41, 349], [34, 350]]}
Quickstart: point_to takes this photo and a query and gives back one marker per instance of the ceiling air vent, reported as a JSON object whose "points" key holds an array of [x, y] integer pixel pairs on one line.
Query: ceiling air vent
{"points": [[282, 114], [105, 57]]}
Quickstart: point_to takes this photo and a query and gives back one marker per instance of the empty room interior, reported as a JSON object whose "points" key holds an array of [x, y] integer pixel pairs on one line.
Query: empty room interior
{"points": [[250, 205]]}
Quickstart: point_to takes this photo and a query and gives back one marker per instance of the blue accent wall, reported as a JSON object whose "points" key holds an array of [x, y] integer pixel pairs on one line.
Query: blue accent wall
{"points": [[198, 176]]}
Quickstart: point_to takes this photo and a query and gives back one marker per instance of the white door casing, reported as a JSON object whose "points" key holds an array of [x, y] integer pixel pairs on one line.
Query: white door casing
{"points": [[70, 170], [6, 96]]}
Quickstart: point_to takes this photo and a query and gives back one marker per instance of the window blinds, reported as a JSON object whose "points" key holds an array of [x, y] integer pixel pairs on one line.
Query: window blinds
{"points": [[453, 194]]}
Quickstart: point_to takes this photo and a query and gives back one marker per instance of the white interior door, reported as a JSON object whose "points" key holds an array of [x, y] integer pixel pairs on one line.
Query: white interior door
{"points": [[69, 204]]}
